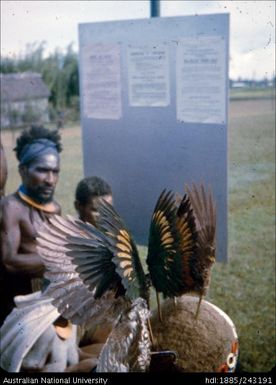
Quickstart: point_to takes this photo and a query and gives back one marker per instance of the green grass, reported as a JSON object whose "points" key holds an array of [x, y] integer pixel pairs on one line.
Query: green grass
{"points": [[252, 93], [245, 286]]}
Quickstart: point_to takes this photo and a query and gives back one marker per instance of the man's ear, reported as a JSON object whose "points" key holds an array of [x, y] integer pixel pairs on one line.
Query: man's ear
{"points": [[22, 169], [77, 206]]}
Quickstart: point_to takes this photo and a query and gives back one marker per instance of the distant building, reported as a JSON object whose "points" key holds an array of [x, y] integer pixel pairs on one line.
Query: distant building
{"points": [[24, 99], [239, 84]]}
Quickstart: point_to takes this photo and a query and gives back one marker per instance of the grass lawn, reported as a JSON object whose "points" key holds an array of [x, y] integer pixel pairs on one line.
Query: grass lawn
{"points": [[244, 287], [252, 93]]}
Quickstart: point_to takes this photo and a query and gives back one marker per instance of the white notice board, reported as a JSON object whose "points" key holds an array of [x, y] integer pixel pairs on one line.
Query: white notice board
{"points": [[154, 111]]}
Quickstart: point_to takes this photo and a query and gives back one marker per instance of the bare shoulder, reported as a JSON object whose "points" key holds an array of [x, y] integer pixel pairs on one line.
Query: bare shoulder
{"points": [[58, 208], [11, 201], [12, 206]]}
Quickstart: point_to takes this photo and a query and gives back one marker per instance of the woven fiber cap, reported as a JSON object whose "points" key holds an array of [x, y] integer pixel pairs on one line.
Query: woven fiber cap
{"points": [[206, 344]]}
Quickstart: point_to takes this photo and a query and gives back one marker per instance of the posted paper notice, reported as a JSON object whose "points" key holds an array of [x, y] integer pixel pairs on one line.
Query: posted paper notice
{"points": [[102, 81], [201, 80], [148, 76]]}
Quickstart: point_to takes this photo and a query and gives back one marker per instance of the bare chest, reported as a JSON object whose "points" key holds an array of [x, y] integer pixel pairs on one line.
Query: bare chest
{"points": [[31, 222]]}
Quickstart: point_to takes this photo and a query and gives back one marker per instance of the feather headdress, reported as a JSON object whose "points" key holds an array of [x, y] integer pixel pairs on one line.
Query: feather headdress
{"points": [[98, 268]]}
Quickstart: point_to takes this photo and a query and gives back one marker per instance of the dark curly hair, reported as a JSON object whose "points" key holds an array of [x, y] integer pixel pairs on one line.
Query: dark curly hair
{"points": [[91, 187], [36, 132]]}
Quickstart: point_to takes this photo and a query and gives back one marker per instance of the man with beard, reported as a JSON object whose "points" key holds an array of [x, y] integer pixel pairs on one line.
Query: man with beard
{"points": [[23, 213], [34, 335]]}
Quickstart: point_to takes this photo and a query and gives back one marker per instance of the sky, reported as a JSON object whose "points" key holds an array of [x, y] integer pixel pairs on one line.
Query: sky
{"points": [[252, 26]]}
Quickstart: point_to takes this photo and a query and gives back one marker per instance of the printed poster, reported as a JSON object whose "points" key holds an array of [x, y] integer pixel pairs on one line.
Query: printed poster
{"points": [[201, 80], [101, 86], [148, 76]]}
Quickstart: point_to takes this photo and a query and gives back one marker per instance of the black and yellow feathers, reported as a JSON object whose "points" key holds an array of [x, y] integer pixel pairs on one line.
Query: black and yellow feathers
{"points": [[96, 273], [181, 249]]}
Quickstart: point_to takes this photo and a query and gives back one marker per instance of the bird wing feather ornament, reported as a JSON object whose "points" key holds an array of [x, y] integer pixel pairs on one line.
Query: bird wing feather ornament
{"points": [[164, 258], [128, 345], [79, 276], [74, 298], [202, 260], [90, 266], [125, 254], [205, 223]]}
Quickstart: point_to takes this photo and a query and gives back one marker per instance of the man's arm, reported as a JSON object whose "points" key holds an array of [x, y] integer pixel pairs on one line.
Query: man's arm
{"points": [[18, 258]]}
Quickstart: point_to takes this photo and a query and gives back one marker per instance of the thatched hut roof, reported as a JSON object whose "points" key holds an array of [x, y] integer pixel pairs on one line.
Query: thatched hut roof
{"points": [[23, 86]]}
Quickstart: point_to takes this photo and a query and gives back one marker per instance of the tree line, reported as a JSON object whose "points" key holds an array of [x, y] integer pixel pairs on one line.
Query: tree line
{"points": [[59, 71]]}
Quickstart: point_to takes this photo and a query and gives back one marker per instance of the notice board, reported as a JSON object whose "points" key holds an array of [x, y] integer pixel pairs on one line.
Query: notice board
{"points": [[154, 111]]}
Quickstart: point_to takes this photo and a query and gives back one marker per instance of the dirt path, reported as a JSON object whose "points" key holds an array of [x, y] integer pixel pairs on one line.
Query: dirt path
{"points": [[239, 108]]}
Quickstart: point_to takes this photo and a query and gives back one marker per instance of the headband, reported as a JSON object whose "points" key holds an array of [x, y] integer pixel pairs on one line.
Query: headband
{"points": [[37, 148]]}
